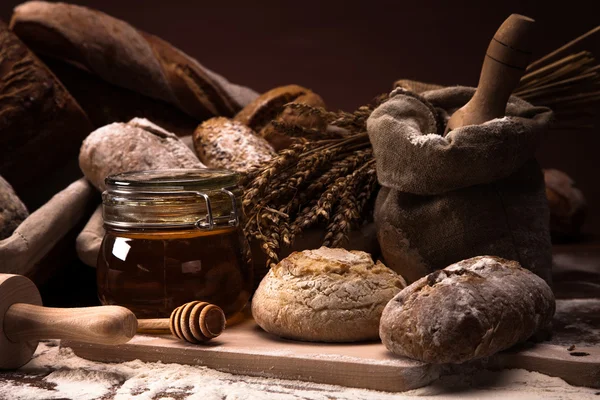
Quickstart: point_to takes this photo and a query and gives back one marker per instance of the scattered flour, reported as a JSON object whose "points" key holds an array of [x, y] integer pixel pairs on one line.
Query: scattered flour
{"points": [[78, 379], [577, 321]]}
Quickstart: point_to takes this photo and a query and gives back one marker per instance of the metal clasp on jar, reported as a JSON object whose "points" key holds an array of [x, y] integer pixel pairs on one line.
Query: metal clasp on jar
{"points": [[209, 223]]}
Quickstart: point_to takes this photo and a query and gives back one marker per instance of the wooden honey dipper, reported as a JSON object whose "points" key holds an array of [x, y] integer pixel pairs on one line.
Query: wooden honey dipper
{"points": [[24, 322], [195, 322]]}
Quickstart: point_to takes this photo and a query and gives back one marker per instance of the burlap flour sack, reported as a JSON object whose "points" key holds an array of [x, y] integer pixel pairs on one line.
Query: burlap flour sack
{"points": [[476, 191]]}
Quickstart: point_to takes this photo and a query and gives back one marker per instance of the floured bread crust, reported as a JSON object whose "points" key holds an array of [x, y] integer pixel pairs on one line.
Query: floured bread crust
{"points": [[224, 143], [469, 310], [325, 295], [133, 146]]}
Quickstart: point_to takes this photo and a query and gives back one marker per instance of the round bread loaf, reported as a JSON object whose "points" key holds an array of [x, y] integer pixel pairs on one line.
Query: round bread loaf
{"points": [[12, 210], [133, 146], [223, 143], [270, 106], [469, 310], [325, 295]]}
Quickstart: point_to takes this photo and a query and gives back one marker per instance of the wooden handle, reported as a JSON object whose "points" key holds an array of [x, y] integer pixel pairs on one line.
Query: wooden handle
{"points": [[505, 62], [100, 325], [155, 325]]}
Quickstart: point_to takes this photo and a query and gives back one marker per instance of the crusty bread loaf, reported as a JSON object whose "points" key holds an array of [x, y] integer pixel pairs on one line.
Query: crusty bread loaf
{"points": [[325, 295], [223, 143], [127, 57], [270, 106], [469, 310], [567, 204], [132, 146], [41, 125], [12, 210]]}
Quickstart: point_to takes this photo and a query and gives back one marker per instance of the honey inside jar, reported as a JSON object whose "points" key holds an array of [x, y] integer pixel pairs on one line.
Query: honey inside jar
{"points": [[166, 244]]}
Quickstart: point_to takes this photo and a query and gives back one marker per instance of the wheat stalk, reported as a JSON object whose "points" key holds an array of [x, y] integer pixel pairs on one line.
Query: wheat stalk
{"points": [[570, 85], [324, 177]]}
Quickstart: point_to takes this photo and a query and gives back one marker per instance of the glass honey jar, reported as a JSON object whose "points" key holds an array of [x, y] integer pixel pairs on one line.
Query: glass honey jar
{"points": [[173, 236]]}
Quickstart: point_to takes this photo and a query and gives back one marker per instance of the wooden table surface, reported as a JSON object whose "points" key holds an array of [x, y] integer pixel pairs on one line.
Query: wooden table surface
{"points": [[577, 321]]}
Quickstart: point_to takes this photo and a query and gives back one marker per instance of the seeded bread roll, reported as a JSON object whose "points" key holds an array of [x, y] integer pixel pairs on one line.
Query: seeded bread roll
{"points": [[12, 210], [133, 146], [223, 143], [270, 106], [325, 295], [469, 310]]}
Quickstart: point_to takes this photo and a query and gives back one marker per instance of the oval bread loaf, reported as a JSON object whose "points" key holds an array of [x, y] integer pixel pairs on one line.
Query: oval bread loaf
{"points": [[469, 310], [270, 106], [133, 146], [223, 143], [325, 295]]}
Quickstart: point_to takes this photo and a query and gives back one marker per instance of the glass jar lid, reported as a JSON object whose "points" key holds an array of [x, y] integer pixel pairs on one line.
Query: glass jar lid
{"points": [[172, 199]]}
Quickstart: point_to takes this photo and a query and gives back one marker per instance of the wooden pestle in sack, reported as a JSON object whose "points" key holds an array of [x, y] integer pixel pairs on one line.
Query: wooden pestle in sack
{"points": [[506, 59]]}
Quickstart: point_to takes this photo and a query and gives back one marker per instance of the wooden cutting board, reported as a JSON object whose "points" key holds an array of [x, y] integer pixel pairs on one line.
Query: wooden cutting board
{"points": [[245, 349]]}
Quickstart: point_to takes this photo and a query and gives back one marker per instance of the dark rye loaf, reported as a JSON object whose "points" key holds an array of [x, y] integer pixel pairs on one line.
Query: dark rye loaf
{"points": [[469, 310], [124, 56], [105, 103], [41, 125]]}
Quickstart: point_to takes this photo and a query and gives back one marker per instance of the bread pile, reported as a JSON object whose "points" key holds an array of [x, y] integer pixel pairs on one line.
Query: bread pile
{"points": [[67, 70], [469, 310], [70, 72], [249, 139]]}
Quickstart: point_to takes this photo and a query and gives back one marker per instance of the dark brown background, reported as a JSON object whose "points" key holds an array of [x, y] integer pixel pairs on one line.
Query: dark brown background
{"points": [[349, 52]]}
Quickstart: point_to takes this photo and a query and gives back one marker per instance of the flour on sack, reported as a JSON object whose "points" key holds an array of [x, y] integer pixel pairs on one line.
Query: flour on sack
{"points": [[420, 140]]}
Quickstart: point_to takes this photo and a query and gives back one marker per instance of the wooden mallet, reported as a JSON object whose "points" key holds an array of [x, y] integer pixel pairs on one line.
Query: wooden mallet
{"points": [[24, 322]]}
